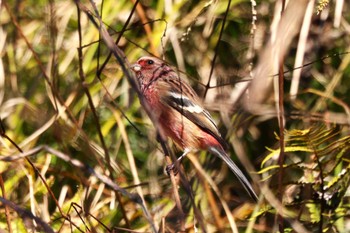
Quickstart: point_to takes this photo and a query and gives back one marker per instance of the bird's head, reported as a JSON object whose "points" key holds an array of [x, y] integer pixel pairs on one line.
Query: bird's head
{"points": [[146, 64], [147, 69]]}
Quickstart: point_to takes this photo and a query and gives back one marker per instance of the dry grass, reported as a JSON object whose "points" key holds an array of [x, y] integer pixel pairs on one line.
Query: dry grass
{"points": [[79, 154]]}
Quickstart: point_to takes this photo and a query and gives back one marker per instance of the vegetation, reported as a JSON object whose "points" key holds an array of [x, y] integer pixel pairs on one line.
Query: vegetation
{"points": [[78, 152]]}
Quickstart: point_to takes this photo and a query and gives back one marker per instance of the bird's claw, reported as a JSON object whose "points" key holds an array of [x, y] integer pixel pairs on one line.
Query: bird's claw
{"points": [[171, 167]]}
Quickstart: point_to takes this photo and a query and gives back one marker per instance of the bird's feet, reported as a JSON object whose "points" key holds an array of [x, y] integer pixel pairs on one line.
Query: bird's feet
{"points": [[172, 167]]}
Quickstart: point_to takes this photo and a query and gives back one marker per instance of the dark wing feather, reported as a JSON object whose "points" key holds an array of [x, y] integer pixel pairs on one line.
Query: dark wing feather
{"points": [[182, 98]]}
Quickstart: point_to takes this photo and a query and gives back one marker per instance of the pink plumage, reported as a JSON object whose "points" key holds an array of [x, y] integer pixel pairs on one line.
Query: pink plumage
{"points": [[179, 114]]}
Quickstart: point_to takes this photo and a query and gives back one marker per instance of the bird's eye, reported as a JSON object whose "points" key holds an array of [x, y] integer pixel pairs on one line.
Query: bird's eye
{"points": [[150, 62]]}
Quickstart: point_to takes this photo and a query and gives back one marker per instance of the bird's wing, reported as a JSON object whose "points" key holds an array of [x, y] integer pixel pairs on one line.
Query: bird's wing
{"points": [[180, 96]]}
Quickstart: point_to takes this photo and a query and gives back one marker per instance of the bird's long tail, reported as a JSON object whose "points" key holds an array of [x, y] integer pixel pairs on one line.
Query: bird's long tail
{"points": [[233, 167]]}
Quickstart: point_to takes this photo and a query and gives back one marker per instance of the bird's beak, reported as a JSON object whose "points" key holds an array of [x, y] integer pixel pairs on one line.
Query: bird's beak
{"points": [[135, 67]]}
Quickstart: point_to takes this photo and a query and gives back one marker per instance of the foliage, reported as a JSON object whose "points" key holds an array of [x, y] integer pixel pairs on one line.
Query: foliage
{"points": [[79, 154], [317, 165]]}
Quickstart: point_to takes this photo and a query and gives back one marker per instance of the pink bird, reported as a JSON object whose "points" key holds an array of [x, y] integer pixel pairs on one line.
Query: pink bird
{"points": [[179, 114]]}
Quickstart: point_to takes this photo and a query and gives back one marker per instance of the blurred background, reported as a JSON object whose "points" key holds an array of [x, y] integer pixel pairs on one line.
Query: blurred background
{"points": [[79, 154]]}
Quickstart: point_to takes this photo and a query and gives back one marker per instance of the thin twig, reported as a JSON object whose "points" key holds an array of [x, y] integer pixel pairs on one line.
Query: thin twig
{"points": [[169, 155], [121, 32], [7, 211], [281, 121], [143, 17], [74, 162], [89, 97], [124, 63], [4, 135], [202, 174], [55, 93], [217, 48], [322, 185], [27, 214]]}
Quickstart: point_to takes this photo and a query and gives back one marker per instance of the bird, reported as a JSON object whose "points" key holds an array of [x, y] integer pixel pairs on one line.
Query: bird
{"points": [[178, 113]]}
